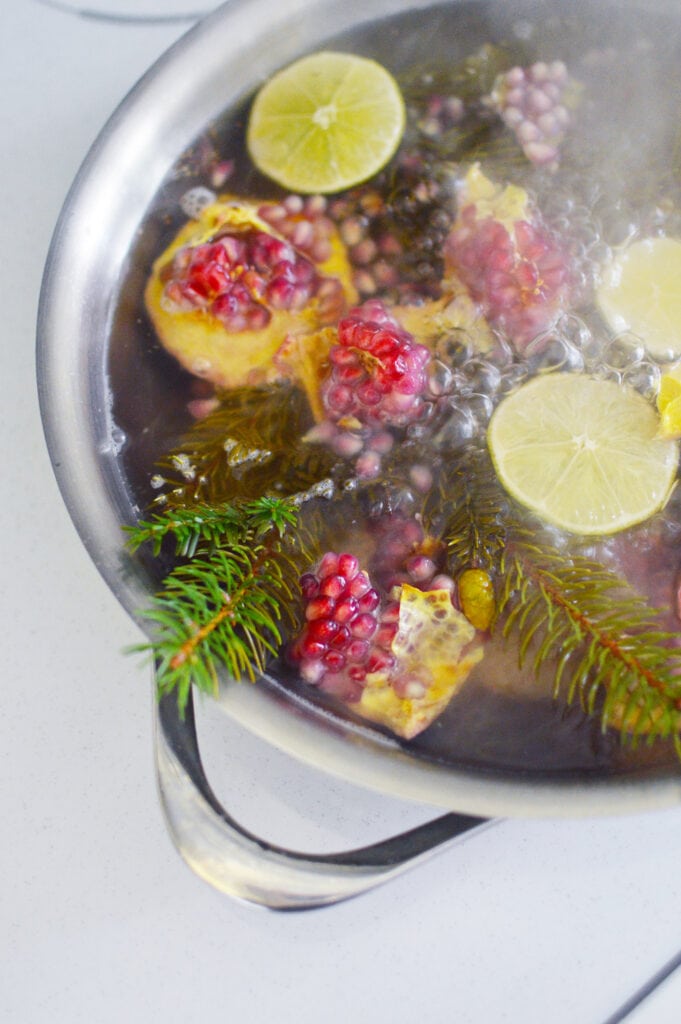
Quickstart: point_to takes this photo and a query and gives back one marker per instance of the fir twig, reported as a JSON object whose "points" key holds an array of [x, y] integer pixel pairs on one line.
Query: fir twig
{"points": [[600, 636], [229, 604], [249, 445]]}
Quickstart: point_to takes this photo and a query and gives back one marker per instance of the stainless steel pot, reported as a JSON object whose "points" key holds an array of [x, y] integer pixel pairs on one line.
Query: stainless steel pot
{"points": [[214, 65]]}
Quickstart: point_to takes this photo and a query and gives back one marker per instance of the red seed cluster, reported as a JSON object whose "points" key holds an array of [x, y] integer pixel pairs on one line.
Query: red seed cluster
{"points": [[520, 278], [304, 223], [242, 278], [346, 634], [377, 371], [530, 101]]}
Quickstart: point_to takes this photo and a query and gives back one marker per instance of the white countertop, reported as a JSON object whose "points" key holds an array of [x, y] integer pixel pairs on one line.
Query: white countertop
{"points": [[526, 922]]}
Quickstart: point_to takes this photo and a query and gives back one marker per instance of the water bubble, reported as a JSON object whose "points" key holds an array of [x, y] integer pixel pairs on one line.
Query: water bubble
{"points": [[623, 352], [644, 377], [195, 200], [459, 426], [118, 439]]}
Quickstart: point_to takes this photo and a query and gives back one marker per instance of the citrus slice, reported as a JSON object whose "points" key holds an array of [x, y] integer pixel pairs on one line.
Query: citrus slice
{"points": [[326, 122], [582, 454], [639, 292]]}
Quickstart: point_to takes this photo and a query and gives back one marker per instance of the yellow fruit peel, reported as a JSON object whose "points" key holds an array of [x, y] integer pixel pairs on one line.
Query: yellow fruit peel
{"points": [[202, 344], [669, 403], [434, 648], [504, 203]]}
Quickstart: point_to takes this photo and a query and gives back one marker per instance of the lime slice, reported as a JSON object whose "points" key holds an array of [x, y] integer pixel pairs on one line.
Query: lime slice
{"points": [[326, 122], [583, 454], [639, 292]]}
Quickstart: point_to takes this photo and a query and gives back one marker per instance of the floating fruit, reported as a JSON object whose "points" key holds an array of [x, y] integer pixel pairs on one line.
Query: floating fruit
{"points": [[377, 373], [507, 258], [397, 663], [230, 288], [476, 595], [326, 122], [531, 102], [433, 655], [346, 633], [639, 293], [582, 454]]}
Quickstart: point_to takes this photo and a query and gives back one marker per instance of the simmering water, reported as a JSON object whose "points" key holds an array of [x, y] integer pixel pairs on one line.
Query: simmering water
{"points": [[619, 179]]}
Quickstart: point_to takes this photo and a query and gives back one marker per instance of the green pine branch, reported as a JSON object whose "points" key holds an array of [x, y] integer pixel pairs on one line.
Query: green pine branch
{"points": [[597, 633], [603, 639], [231, 602], [250, 445]]}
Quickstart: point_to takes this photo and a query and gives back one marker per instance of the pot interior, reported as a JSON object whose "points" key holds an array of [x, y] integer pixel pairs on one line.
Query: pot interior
{"points": [[498, 728]]}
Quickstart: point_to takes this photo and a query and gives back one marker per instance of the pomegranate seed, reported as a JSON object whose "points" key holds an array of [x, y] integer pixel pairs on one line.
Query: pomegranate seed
{"points": [[332, 586], [320, 608]]}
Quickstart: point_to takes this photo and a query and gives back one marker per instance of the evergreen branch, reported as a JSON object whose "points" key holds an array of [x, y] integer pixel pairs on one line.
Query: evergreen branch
{"points": [[597, 634], [249, 445], [610, 641], [468, 510], [231, 602]]}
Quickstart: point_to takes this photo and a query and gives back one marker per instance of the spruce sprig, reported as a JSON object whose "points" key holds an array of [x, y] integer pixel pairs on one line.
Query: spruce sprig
{"points": [[602, 640], [605, 641], [230, 603], [250, 445], [469, 510]]}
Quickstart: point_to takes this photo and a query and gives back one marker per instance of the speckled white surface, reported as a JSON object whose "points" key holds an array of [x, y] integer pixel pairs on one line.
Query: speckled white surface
{"points": [[101, 922]]}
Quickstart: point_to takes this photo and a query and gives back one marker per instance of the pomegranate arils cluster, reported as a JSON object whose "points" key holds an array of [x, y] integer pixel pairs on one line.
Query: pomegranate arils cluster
{"points": [[346, 633], [304, 223], [377, 372], [241, 278], [519, 274], [530, 101]]}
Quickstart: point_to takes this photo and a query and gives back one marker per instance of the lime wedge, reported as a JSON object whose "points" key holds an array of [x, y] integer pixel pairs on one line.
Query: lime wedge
{"points": [[669, 402], [326, 122], [582, 454], [639, 292]]}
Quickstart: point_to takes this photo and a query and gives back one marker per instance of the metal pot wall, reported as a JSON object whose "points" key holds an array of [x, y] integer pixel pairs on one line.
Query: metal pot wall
{"points": [[215, 65]]}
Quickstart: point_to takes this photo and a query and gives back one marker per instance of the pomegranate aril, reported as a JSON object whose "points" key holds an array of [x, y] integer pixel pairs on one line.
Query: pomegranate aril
{"points": [[311, 649], [342, 638], [357, 650], [380, 661], [332, 586], [348, 566], [345, 609], [320, 608], [359, 585], [369, 601], [364, 626], [322, 630], [334, 660], [309, 585]]}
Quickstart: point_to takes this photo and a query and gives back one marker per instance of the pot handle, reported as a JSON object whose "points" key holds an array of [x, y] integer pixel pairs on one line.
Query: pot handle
{"points": [[242, 865]]}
